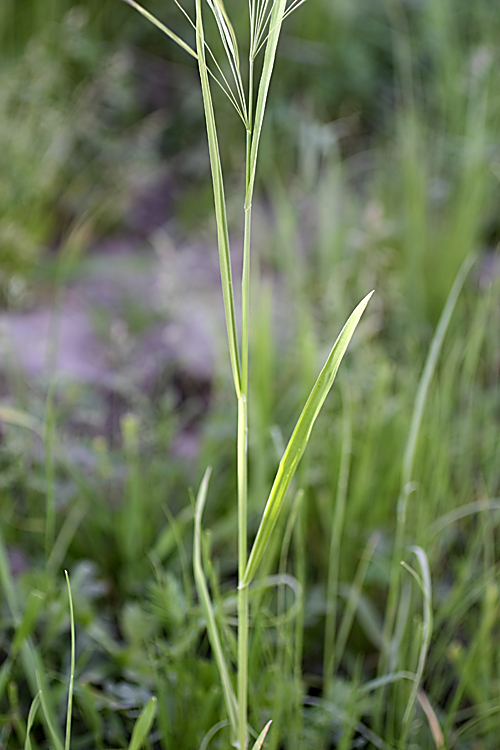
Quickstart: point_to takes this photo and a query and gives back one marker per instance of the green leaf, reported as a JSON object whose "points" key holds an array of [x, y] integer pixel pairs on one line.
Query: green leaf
{"points": [[143, 724], [162, 27], [69, 711], [424, 583], [262, 736], [220, 203], [48, 713], [299, 440], [31, 719], [205, 601], [275, 23], [19, 418]]}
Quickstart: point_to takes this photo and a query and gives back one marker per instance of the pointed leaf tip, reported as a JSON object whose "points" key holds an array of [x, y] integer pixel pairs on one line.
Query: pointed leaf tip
{"points": [[299, 439]]}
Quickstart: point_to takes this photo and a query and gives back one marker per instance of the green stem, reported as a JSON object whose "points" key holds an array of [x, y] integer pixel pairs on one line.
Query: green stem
{"points": [[242, 666], [245, 276], [242, 447], [242, 562]]}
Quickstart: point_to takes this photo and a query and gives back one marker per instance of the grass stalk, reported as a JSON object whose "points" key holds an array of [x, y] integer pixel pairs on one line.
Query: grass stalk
{"points": [[263, 17], [242, 562]]}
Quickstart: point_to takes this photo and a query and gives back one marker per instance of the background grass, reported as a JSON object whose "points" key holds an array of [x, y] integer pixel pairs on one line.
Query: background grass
{"points": [[379, 169]]}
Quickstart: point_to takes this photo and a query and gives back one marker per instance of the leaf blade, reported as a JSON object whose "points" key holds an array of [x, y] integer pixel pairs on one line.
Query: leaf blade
{"points": [[220, 204], [159, 25], [299, 439], [206, 604], [262, 736], [143, 724]]}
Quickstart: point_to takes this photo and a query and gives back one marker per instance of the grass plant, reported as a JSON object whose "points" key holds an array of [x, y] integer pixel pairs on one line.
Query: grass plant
{"points": [[172, 639], [265, 26]]}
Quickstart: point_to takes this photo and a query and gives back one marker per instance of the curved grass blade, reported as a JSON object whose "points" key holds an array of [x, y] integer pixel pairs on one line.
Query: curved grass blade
{"points": [[299, 440], [262, 736], [19, 418], [143, 724], [424, 584], [31, 720], [212, 732], [428, 373], [206, 604]]}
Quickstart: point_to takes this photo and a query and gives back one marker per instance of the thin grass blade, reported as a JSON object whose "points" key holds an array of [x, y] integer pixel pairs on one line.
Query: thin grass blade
{"points": [[72, 666], [31, 720], [429, 369], [19, 418], [262, 736], [32, 663], [205, 601], [143, 724], [275, 22], [56, 741], [212, 732], [230, 44], [162, 27], [299, 440], [424, 582], [230, 31], [218, 185], [5, 670], [220, 203], [387, 679]]}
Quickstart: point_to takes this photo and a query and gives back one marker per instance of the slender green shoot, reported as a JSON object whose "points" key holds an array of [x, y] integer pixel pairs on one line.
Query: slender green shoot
{"points": [[58, 745], [262, 736], [143, 725], [159, 25], [31, 719], [69, 711], [424, 583], [206, 604], [265, 26]]}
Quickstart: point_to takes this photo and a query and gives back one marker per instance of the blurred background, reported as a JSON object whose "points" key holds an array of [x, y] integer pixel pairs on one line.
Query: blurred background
{"points": [[379, 169]]}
